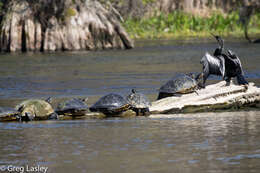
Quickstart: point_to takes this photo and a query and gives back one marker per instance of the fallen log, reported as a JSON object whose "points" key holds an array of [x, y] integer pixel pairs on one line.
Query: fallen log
{"points": [[216, 97]]}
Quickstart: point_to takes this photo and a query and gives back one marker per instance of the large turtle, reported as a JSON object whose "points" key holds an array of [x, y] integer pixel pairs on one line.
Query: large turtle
{"points": [[139, 102], [35, 109], [72, 107], [181, 84], [8, 114], [110, 104]]}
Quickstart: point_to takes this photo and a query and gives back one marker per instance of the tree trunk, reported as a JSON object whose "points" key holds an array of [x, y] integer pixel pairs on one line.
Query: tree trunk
{"points": [[38, 25]]}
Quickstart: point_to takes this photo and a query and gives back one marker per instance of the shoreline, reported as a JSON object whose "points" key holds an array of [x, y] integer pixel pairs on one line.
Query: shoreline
{"points": [[179, 25], [194, 36]]}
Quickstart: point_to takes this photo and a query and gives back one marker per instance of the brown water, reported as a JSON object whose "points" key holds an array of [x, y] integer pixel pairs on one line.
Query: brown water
{"points": [[206, 142]]}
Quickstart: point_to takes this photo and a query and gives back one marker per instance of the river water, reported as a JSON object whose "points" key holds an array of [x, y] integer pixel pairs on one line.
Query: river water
{"points": [[204, 142]]}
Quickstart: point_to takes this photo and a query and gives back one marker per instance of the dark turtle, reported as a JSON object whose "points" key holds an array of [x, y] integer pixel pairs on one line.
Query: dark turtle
{"points": [[139, 102], [72, 107], [180, 84], [35, 109], [110, 104], [8, 114]]}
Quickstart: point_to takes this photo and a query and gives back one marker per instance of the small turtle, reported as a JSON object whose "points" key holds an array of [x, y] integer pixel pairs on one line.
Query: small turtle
{"points": [[8, 114], [35, 109], [139, 102], [180, 84], [110, 104], [72, 107]]}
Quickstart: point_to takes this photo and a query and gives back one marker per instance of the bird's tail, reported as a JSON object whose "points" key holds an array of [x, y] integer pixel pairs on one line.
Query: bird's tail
{"points": [[241, 80]]}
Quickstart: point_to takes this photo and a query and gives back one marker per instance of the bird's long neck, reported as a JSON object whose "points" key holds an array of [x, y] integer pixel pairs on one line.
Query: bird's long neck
{"points": [[221, 45], [217, 52]]}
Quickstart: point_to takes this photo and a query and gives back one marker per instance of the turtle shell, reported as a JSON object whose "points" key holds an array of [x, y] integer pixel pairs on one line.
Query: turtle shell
{"points": [[138, 100], [39, 109], [110, 104], [8, 114], [73, 107], [181, 84]]}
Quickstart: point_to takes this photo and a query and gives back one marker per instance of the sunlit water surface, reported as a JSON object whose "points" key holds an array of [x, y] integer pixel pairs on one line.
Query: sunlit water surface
{"points": [[205, 142]]}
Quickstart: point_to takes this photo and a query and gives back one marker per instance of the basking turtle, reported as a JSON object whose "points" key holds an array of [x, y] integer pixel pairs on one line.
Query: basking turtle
{"points": [[110, 104], [35, 109], [8, 114], [180, 84], [139, 102], [72, 107]]}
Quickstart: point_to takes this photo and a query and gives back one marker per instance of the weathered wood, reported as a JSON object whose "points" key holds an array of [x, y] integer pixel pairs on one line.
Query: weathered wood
{"points": [[213, 97]]}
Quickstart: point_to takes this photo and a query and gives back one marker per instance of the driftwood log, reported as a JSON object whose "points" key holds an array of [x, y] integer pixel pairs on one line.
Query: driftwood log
{"points": [[216, 97], [213, 98]]}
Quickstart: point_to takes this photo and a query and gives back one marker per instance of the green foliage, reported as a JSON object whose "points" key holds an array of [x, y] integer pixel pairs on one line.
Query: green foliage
{"points": [[179, 23]]}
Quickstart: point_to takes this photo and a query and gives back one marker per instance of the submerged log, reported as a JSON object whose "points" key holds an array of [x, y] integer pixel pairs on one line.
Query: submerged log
{"points": [[216, 97], [38, 25]]}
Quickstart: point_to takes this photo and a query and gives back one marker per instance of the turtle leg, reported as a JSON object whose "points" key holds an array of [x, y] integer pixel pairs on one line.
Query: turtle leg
{"points": [[138, 112], [27, 117], [19, 117], [146, 111], [54, 116]]}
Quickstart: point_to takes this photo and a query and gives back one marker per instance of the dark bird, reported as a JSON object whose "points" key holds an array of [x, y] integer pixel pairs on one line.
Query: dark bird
{"points": [[220, 64]]}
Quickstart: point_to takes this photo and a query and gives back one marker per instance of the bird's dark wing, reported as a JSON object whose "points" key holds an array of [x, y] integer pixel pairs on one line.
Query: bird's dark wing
{"points": [[216, 65], [232, 57], [240, 73], [205, 63]]}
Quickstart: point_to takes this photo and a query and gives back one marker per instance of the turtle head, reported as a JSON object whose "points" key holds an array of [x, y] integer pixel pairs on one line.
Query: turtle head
{"points": [[133, 91], [85, 99], [49, 100], [28, 116]]}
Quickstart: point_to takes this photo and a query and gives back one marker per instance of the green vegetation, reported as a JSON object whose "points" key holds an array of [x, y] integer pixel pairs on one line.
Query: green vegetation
{"points": [[180, 24]]}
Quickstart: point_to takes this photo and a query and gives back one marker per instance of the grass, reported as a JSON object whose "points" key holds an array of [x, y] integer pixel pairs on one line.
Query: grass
{"points": [[179, 24]]}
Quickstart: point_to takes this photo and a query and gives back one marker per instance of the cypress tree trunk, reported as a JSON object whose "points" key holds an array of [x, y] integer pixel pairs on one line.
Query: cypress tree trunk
{"points": [[50, 25]]}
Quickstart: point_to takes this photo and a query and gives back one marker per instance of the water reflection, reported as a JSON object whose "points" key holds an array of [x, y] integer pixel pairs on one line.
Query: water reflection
{"points": [[191, 142]]}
